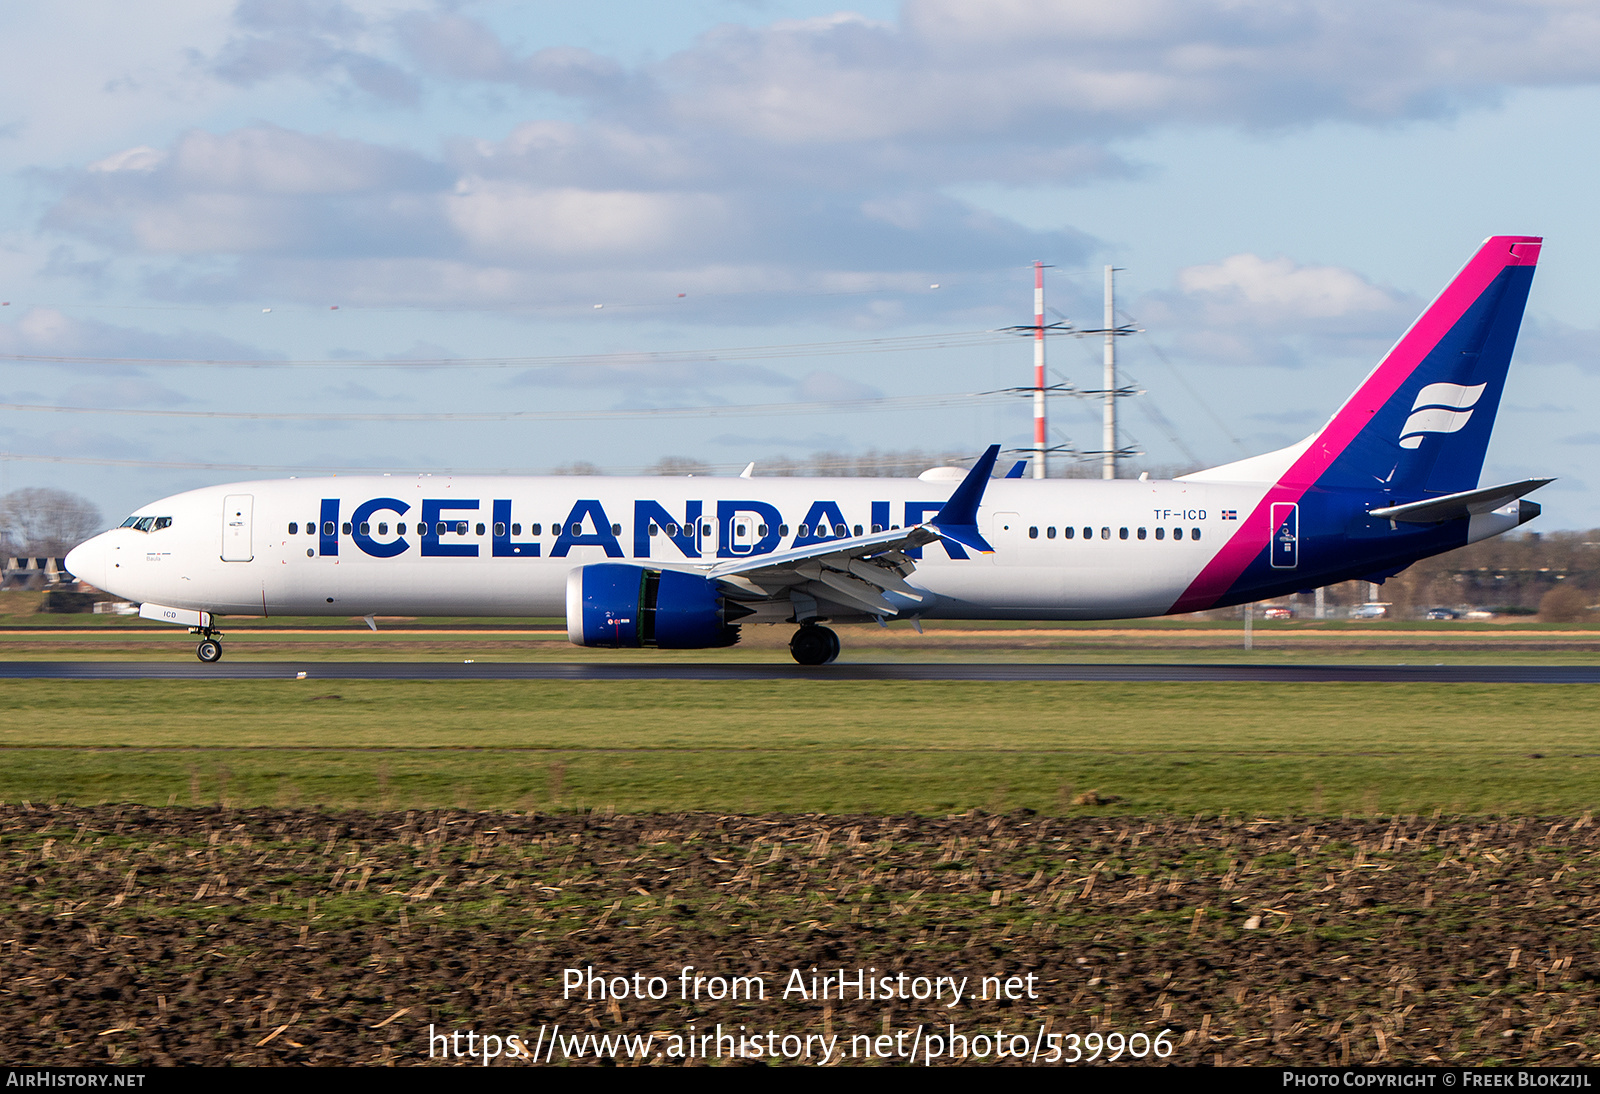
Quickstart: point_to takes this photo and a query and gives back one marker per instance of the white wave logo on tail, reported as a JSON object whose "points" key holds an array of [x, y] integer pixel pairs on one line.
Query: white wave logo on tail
{"points": [[1440, 408]]}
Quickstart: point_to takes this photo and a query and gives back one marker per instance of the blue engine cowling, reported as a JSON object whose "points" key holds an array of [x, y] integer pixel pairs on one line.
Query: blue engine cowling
{"points": [[626, 607]]}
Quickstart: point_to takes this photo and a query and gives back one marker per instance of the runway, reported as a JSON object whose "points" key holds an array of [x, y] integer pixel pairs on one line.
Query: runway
{"points": [[555, 670]]}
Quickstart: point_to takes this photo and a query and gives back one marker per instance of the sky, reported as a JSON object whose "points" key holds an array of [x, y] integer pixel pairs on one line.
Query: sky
{"points": [[277, 237]]}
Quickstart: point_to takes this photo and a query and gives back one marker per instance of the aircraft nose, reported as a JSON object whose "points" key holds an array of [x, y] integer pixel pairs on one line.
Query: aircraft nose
{"points": [[87, 562]]}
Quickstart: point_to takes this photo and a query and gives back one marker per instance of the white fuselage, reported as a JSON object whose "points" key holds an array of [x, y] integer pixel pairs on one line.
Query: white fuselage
{"points": [[264, 548]]}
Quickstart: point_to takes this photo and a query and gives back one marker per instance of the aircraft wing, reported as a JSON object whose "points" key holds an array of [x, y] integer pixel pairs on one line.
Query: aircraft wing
{"points": [[859, 570]]}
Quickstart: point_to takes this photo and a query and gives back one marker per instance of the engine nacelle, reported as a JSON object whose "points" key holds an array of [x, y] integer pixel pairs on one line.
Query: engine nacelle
{"points": [[626, 607]]}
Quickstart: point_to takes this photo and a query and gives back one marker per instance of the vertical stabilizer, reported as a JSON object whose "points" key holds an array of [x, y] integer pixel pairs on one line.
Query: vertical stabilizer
{"points": [[1420, 422], [1417, 427]]}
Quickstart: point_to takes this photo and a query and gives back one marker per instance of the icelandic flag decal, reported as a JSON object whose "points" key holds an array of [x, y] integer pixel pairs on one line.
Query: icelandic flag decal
{"points": [[1230, 514]]}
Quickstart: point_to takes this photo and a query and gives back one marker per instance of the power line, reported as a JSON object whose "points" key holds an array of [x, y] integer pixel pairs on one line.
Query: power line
{"points": [[812, 465], [730, 410], [902, 344]]}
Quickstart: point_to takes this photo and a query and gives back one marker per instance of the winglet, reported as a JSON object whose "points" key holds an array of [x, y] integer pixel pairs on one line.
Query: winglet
{"points": [[1017, 469], [958, 520]]}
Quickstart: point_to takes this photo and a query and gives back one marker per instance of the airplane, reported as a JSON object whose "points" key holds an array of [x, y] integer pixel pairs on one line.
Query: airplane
{"points": [[684, 563]]}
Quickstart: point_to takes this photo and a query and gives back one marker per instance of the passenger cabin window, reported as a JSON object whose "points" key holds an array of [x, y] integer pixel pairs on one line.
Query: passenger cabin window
{"points": [[672, 529], [294, 528], [1050, 532], [366, 529], [311, 528], [616, 530], [1033, 532], [480, 529], [401, 528], [1194, 533], [1088, 533], [1066, 533], [1105, 533], [383, 528], [499, 529], [1177, 533], [1122, 533], [347, 528], [1141, 533], [783, 529], [1161, 533], [327, 527]]}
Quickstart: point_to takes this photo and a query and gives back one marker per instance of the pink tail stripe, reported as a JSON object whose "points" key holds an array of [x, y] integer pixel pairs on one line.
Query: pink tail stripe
{"points": [[1497, 253]]}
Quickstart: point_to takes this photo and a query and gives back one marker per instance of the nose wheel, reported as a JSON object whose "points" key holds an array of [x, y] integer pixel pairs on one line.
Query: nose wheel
{"points": [[209, 650], [814, 645]]}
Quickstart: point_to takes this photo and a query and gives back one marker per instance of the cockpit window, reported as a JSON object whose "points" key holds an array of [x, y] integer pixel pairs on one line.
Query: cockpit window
{"points": [[146, 524], [162, 522], [143, 523], [129, 523]]}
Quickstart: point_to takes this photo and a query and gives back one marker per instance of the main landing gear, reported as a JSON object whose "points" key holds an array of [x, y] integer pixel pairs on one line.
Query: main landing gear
{"points": [[209, 650], [814, 645]]}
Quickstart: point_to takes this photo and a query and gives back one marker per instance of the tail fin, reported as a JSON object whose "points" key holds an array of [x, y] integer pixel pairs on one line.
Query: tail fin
{"points": [[1420, 422]]}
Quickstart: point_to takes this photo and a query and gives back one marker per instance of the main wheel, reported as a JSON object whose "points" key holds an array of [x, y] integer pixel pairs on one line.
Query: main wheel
{"points": [[209, 651], [833, 645], [813, 645]]}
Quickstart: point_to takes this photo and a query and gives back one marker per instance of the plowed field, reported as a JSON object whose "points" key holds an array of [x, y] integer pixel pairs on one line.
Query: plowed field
{"points": [[136, 935]]}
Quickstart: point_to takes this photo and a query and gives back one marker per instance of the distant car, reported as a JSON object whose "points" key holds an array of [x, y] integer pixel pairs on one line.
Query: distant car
{"points": [[1277, 612], [1369, 611], [1442, 613]]}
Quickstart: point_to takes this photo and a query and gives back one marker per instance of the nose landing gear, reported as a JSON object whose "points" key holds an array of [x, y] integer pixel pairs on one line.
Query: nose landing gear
{"points": [[814, 645], [209, 650]]}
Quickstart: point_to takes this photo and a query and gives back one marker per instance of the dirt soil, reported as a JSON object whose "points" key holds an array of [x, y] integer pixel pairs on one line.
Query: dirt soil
{"points": [[132, 935]]}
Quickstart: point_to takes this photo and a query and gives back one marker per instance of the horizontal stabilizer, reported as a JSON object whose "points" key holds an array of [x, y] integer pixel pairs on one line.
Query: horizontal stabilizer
{"points": [[1468, 503]]}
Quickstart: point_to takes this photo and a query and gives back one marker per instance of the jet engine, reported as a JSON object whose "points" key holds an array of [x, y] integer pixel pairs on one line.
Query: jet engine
{"points": [[626, 607]]}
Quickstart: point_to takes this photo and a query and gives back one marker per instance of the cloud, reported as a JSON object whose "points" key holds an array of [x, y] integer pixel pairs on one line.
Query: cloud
{"points": [[791, 158], [1545, 341], [1276, 290], [46, 332], [323, 40], [823, 386], [309, 217], [455, 47], [649, 381], [1251, 311]]}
